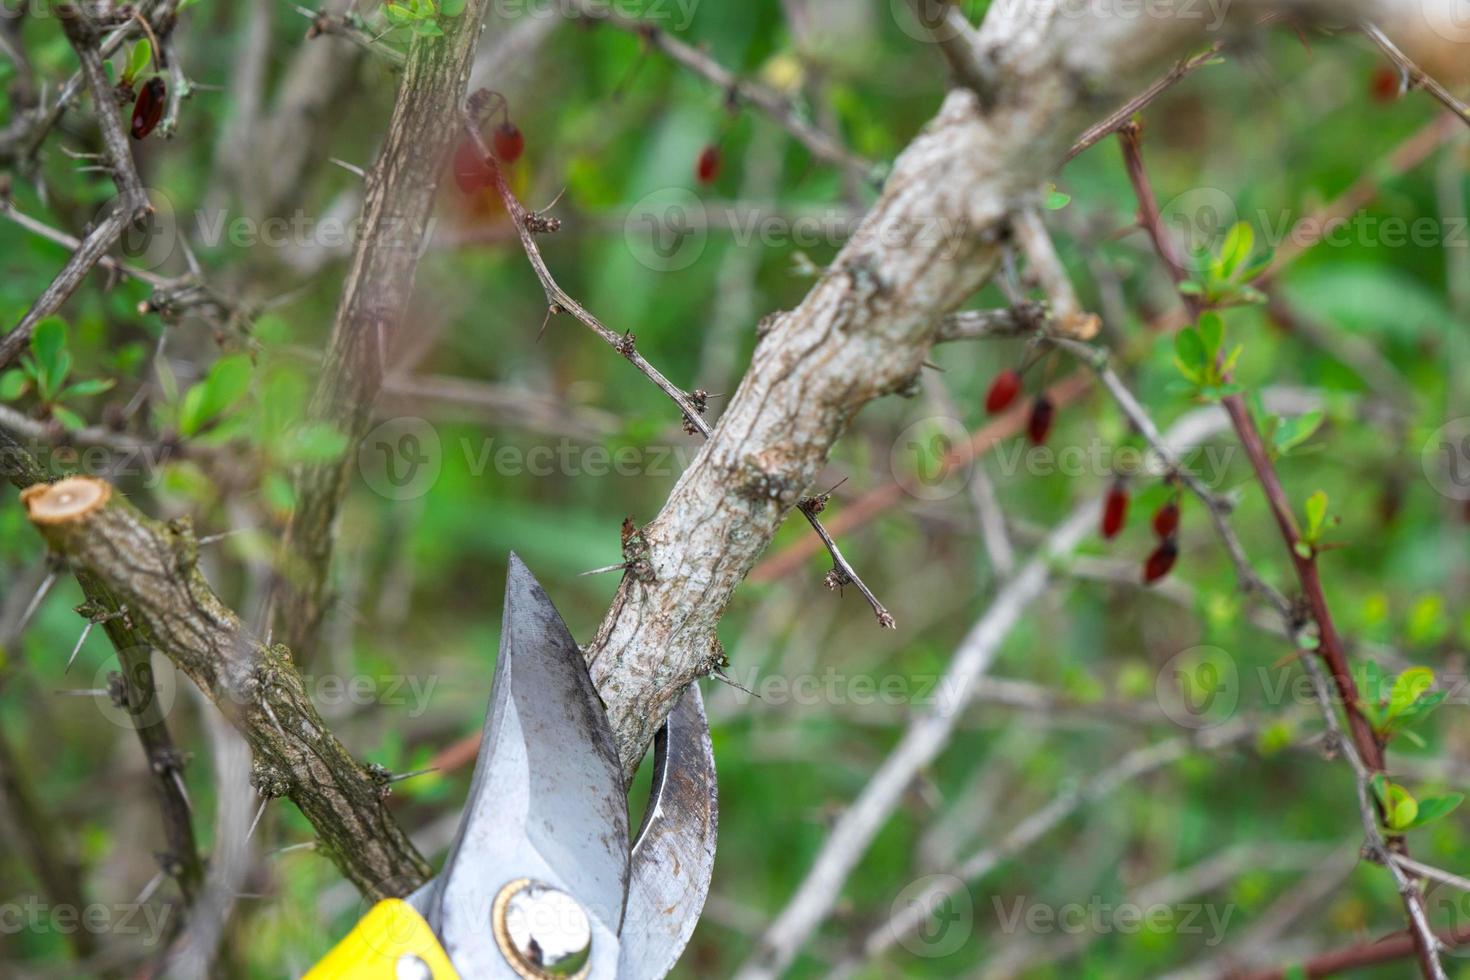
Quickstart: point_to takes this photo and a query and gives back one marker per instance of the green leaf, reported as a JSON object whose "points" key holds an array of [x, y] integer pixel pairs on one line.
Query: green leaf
{"points": [[85, 389], [1055, 199], [313, 443], [1190, 349], [1303, 550], [1408, 687], [68, 418], [1236, 249], [139, 59], [1433, 808], [1256, 266], [399, 16], [227, 382], [278, 493], [1293, 432], [1212, 333], [271, 328], [1402, 808], [427, 28], [1418, 711], [1316, 514], [451, 8], [12, 385], [1191, 288], [1379, 784], [1368, 677], [48, 340]]}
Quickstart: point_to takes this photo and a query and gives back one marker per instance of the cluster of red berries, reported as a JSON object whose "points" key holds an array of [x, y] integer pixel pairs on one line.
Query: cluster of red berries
{"points": [[1165, 525], [472, 172], [148, 110], [1006, 388], [1004, 391]]}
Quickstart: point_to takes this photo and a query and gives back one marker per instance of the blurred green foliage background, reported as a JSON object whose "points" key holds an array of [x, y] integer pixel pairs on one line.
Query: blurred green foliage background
{"points": [[1281, 128]]}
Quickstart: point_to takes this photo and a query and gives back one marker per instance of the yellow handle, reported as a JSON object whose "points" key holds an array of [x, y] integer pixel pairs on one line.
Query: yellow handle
{"points": [[392, 930]]}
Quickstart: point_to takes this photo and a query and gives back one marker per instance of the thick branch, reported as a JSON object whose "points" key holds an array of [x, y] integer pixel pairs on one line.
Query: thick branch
{"points": [[152, 569], [398, 200], [864, 330]]}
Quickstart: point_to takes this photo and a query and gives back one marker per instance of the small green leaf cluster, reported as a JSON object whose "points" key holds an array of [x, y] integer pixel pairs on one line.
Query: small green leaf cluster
{"points": [[1396, 709], [46, 370], [1198, 355], [422, 16], [1224, 278], [1402, 812], [1284, 436], [1310, 543]]}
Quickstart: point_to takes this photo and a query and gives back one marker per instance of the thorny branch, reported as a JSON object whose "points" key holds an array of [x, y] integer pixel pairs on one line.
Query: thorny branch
{"points": [[775, 105], [132, 201], [136, 690], [1364, 749], [528, 225]]}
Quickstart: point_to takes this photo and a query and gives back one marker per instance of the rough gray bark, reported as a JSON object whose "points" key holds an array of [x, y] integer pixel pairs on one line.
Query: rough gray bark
{"points": [[932, 239], [152, 569], [398, 200]]}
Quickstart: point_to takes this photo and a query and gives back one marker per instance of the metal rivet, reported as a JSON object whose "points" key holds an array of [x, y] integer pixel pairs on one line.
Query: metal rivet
{"points": [[542, 931]]}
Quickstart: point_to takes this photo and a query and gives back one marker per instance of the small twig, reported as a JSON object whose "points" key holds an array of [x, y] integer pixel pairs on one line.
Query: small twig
{"points": [[1102, 130], [527, 224], [1417, 77], [1364, 750], [775, 105], [958, 41]]}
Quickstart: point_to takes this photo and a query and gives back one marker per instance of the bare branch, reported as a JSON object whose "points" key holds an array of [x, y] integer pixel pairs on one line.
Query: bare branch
{"points": [[152, 569], [396, 208]]}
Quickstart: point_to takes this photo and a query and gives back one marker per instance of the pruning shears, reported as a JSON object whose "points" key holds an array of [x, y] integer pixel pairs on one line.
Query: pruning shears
{"points": [[542, 880]]}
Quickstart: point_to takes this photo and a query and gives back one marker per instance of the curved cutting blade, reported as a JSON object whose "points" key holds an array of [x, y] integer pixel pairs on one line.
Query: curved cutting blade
{"points": [[674, 855], [547, 801]]}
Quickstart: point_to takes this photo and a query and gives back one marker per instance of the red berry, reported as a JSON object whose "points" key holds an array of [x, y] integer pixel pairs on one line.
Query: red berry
{"points": [[1161, 560], [1115, 510], [1166, 519], [148, 110], [1003, 391], [508, 142], [471, 171], [707, 167], [1038, 426], [1386, 84]]}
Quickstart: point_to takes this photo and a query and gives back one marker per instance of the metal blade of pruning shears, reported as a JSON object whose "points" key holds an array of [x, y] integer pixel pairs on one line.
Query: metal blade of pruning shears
{"points": [[541, 880]]}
